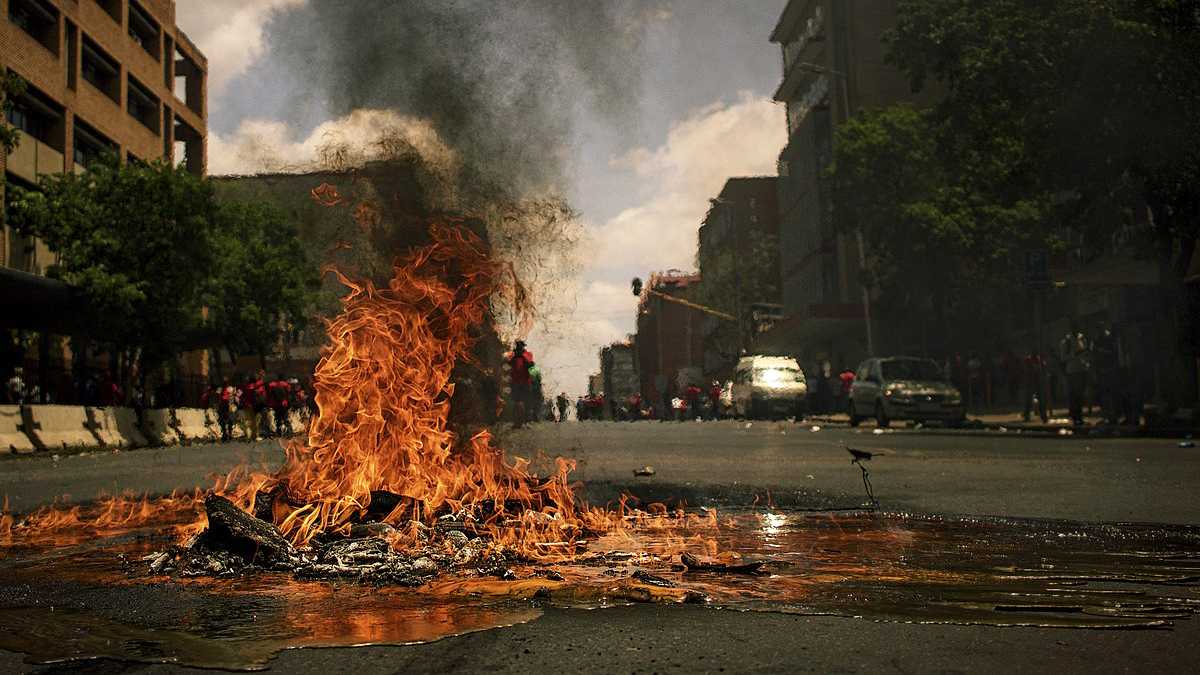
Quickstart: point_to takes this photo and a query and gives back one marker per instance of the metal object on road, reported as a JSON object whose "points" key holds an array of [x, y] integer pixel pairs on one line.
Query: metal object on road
{"points": [[860, 456]]}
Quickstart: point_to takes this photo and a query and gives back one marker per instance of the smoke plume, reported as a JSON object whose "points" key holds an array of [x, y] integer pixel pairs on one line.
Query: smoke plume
{"points": [[500, 81]]}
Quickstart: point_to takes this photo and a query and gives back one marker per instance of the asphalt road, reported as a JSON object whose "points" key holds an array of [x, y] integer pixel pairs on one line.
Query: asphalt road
{"points": [[998, 474]]}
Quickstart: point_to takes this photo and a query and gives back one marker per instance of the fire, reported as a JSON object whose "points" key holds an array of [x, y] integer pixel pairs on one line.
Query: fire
{"points": [[383, 389]]}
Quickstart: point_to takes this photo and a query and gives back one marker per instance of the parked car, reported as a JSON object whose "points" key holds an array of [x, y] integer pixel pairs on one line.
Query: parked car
{"points": [[767, 386], [904, 388]]}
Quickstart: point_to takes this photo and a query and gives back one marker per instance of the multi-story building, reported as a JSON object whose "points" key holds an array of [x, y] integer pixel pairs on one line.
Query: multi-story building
{"points": [[670, 335], [738, 256], [102, 76], [833, 65], [618, 375]]}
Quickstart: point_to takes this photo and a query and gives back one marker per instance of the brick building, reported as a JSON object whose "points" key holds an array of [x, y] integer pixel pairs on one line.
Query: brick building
{"points": [[833, 65], [670, 336], [103, 76]]}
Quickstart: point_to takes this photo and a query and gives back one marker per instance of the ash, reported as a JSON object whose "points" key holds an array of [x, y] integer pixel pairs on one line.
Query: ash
{"points": [[237, 543]]}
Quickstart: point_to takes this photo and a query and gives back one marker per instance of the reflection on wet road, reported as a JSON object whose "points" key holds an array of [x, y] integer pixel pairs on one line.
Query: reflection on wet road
{"points": [[94, 599]]}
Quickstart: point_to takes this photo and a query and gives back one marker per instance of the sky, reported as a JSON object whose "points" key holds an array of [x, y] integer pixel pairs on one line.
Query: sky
{"points": [[636, 110]]}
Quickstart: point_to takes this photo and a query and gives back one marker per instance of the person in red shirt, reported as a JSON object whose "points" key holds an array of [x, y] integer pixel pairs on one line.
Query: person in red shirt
{"points": [[251, 406], [693, 402], [847, 379], [714, 400], [226, 408], [278, 395], [520, 361]]}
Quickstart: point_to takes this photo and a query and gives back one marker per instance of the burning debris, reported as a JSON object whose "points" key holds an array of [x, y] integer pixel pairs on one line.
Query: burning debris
{"points": [[236, 542]]}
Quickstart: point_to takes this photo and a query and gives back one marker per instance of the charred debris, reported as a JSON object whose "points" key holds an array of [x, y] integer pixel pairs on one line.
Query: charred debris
{"points": [[238, 543]]}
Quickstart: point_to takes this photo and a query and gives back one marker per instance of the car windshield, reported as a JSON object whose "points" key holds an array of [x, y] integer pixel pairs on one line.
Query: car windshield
{"points": [[911, 369], [782, 374]]}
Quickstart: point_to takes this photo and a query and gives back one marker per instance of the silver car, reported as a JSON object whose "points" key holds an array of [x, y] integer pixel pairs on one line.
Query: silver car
{"points": [[904, 388], [769, 386]]}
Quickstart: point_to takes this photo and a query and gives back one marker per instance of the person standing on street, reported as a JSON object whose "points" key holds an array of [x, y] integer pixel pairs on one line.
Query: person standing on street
{"points": [[14, 390], [248, 415], [227, 404], [1074, 353], [1105, 358], [693, 402], [278, 395], [562, 404], [520, 382], [1031, 386]]}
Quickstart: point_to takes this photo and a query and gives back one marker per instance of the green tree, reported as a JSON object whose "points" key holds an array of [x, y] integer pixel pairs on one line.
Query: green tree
{"points": [[137, 241], [1101, 99], [11, 86], [263, 287], [937, 229], [1095, 103]]}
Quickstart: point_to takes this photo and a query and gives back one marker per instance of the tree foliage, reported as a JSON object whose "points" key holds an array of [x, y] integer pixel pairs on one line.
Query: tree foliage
{"points": [[1052, 119], [1096, 102], [162, 266], [264, 285], [11, 86]]}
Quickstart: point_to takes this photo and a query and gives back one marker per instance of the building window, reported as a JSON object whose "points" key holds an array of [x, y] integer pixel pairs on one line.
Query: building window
{"points": [[144, 30], [37, 116], [143, 106], [101, 70], [90, 144], [189, 82], [38, 18], [72, 55], [112, 8]]}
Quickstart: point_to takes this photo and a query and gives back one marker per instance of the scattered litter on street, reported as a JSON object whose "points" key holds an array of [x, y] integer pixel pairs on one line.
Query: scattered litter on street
{"points": [[815, 428], [644, 471]]}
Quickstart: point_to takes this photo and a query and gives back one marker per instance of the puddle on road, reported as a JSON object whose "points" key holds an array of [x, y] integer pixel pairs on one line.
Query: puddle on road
{"points": [[81, 602]]}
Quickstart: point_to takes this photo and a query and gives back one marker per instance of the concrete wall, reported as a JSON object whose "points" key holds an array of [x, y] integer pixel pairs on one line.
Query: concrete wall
{"points": [[50, 428]]}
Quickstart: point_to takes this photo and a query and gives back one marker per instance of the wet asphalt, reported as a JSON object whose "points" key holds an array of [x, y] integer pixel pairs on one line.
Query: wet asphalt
{"points": [[1079, 478]]}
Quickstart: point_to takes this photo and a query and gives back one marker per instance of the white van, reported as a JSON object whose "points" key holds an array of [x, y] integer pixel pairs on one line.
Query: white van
{"points": [[769, 386]]}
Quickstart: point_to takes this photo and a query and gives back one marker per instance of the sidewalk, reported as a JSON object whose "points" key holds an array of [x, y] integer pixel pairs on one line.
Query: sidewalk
{"points": [[1059, 423]]}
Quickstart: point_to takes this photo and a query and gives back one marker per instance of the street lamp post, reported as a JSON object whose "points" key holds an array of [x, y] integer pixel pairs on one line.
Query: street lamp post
{"points": [[862, 253]]}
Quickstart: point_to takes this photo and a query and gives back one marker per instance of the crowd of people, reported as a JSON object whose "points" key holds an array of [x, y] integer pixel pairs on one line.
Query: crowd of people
{"points": [[259, 406]]}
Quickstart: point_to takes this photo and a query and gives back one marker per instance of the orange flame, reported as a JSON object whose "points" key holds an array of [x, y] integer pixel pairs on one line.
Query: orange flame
{"points": [[383, 391]]}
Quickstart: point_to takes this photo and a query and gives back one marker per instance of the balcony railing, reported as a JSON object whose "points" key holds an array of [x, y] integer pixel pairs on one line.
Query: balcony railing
{"points": [[32, 159]]}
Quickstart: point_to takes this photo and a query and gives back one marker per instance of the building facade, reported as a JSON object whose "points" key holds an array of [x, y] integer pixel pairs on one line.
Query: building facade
{"points": [[833, 64], [102, 76], [739, 257], [670, 336], [619, 375]]}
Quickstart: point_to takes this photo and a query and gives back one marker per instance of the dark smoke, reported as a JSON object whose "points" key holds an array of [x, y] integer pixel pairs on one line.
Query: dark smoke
{"points": [[501, 80]]}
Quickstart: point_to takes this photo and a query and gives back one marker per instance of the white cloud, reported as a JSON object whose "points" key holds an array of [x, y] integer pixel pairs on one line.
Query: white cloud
{"points": [[269, 146], [229, 32], [700, 152]]}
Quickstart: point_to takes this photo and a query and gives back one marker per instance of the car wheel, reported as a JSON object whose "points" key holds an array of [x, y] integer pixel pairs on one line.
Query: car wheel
{"points": [[881, 418], [854, 419]]}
